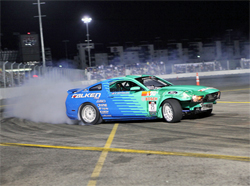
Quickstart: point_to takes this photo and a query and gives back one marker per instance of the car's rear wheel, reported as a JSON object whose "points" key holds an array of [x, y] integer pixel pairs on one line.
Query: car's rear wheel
{"points": [[171, 110], [89, 114]]}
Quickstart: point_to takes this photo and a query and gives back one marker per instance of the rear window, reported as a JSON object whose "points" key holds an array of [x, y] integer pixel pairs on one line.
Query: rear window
{"points": [[96, 88]]}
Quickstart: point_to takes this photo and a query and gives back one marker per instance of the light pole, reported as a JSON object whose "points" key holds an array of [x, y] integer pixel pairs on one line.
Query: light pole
{"points": [[66, 50], [229, 30], [87, 20], [41, 30]]}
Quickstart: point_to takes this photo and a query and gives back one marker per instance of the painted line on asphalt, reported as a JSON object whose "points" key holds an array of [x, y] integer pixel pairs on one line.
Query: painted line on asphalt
{"points": [[6, 105], [235, 90], [231, 102], [198, 155], [99, 164]]}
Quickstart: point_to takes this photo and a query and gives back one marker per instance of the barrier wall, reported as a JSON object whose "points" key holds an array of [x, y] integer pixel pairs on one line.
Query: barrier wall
{"points": [[8, 92]]}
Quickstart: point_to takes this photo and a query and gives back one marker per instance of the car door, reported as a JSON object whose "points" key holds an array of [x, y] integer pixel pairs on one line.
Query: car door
{"points": [[126, 103]]}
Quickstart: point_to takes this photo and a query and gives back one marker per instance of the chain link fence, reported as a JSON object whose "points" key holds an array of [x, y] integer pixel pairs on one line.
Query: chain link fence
{"points": [[16, 74], [109, 71], [211, 66]]}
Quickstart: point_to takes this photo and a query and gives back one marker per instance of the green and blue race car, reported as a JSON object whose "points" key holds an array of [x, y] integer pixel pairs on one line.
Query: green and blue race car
{"points": [[137, 98]]}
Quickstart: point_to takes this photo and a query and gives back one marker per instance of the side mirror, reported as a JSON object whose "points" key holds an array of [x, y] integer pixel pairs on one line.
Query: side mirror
{"points": [[135, 88]]}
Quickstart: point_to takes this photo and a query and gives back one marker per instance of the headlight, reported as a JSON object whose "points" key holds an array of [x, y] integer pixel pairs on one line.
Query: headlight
{"points": [[197, 98], [218, 95]]}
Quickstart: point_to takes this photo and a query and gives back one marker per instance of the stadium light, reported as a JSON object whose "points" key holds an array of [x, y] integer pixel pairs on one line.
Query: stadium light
{"points": [[87, 20]]}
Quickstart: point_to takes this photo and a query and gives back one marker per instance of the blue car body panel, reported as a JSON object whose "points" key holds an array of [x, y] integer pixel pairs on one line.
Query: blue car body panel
{"points": [[111, 105]]}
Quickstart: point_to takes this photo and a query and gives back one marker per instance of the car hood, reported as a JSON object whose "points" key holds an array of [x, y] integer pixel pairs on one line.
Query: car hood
{"points": [[191, 88]]}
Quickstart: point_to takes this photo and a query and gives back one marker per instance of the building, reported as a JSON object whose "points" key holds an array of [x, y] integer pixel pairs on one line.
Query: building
{"points": [[174, 53], [30, 48], [101, 59], [83, 55]]}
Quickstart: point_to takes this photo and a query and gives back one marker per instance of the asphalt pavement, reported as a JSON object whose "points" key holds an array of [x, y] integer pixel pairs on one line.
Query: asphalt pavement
{"points": [[198, 150]]}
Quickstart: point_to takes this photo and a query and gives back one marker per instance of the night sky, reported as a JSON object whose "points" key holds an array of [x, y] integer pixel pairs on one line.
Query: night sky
{"points": [[122, 21]]}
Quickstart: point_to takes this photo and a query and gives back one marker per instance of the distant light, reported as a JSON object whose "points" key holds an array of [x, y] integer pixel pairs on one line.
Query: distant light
{"points": [[60, 65], [198, 56], [86, 19], [28, 33], [35, 76]]}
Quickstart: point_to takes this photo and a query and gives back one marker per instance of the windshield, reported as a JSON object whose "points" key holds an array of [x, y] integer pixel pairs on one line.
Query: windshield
{"points": [[152, 82]]}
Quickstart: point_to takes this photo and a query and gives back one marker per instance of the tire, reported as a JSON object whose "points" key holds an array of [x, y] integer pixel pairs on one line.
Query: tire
{"points": [[171, 110], [89, 114]]}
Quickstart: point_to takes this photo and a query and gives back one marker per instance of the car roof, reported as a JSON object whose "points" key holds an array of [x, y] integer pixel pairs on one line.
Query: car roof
{"points": [[127, 77], [124, 78]]}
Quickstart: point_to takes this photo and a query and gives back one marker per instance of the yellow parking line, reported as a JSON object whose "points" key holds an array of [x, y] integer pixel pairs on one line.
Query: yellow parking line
{"points": [[235, 90], [238, 158], [102, 158], [231, 102], [6, 105], [200, 155], [52, 146]]}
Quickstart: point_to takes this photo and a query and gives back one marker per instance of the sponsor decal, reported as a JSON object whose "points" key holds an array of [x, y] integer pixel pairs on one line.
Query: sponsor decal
{"points": [[151, 99], [152, 106], [172, 92], [102, 105], [149, 93], [152, 113], [104, 112], [103, 108], [87, 95], [185, 95], [120, 92], [204, 89], [101, 101], [106, 115]]}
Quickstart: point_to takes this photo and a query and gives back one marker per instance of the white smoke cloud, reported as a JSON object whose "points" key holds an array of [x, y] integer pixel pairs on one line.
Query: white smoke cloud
{"points": [[41, 100]]}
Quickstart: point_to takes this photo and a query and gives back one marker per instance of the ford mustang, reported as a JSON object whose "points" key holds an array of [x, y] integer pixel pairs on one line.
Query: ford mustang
{"points": [[138, 98]]}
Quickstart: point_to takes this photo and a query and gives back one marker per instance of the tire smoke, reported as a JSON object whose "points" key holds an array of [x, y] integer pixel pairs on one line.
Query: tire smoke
{"points": [[41, 100]]}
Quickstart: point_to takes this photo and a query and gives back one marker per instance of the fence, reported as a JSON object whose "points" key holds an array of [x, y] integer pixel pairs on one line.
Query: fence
{"points": [[245, 63], [196, 67], [109, 71], [15, 74], [211, 66], [10, 55]]}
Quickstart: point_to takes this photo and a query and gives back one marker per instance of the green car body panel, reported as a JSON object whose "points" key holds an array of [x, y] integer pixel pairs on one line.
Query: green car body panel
{"points": [[182, 93], [142, 97]]}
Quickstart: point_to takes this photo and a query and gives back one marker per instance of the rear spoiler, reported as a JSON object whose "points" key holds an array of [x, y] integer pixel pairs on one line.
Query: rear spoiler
{"points": [[73, 90]]}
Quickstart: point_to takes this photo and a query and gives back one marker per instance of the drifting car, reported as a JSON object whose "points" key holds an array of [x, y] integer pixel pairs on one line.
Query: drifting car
{"points": [[138, 98]]}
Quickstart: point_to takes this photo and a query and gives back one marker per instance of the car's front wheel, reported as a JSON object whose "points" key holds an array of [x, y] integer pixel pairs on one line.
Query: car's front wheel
{"points": [[171, 110], [89, 114]]}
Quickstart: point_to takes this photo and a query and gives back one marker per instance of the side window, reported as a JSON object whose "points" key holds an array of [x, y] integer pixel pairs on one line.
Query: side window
{"points": [[96, 88], [120, 86], [116, 86], [129, 84]]}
